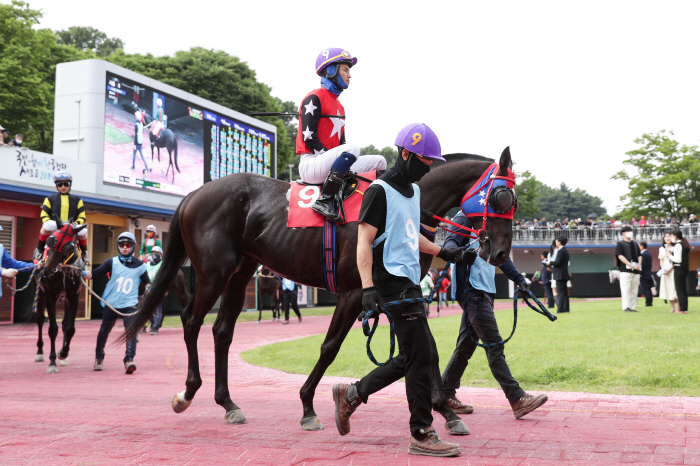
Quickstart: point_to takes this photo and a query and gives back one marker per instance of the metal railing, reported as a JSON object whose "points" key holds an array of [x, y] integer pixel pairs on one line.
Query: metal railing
{"points": [[647, 233]]}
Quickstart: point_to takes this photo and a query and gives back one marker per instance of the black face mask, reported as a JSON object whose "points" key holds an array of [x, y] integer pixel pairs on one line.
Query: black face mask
{"points": [[416, 169]]}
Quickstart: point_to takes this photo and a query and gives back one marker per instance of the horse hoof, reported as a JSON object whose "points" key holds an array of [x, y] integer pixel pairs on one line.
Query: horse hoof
{"points": [[63, 362], [52, 370], [311, 423], [179, 402], [235, 417], [457, 427], [39, 358]]}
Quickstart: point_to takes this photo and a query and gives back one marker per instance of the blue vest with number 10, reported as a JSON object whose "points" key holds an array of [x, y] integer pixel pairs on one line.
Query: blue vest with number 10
{"points": [[401, 233], [122, 289]]}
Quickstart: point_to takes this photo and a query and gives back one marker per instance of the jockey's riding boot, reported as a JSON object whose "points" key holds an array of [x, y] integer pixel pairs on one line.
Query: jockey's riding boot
{"points": [[38, 255], [326, 204]]}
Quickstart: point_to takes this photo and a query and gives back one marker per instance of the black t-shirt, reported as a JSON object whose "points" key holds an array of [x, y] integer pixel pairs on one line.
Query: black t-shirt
{"points": [[630, 251], [373, 212]]}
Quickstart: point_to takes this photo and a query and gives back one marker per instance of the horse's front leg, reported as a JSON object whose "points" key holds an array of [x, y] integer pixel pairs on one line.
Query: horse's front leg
{"points": [[231, 307], [53, 333], [192, 316], [347, 310], [40, 306], [68, 325]]}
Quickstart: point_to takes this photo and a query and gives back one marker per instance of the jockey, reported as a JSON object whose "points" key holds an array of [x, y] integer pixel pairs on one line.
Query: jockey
{"points": [[158, 123], [150, 241], [321, 141], [67, 207]]}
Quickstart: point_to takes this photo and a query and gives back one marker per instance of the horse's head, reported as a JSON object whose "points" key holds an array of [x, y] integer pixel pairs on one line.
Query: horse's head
{"points": [[497, 203], [62, 244]]}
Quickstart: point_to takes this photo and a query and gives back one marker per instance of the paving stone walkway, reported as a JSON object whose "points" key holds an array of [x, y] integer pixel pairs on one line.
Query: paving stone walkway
{"points": [[81, 417]]}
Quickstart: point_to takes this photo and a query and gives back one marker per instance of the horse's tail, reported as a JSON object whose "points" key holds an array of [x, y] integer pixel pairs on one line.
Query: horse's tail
{"points": [[172, 263], [175, 153]]}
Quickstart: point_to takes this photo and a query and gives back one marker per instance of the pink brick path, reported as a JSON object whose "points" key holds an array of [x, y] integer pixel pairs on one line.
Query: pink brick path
{"points": [[94, 418]]}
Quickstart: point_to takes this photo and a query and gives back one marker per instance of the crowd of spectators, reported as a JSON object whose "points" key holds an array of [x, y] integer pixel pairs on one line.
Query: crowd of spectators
{"points": [[602, 228], [6, 141]]}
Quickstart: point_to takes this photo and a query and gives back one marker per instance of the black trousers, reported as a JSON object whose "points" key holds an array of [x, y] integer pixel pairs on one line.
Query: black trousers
{"points": [[290, 298], [549, 294], [646, 284], [417, 361], [562, 296], [679, 276], [484, 327]]}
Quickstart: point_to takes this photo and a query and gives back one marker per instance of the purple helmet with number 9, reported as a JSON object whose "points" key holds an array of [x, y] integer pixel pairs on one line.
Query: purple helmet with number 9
{"points": [[334, 55], [420, 139]]}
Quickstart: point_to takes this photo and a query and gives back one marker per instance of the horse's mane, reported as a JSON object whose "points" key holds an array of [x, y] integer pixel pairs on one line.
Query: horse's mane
{"points": [[451, 158]]}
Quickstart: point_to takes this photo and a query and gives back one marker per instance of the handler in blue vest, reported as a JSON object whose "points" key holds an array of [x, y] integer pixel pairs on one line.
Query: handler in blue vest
{"points": [[10, 266], [127, 275], [388, 259], [476, 289]]}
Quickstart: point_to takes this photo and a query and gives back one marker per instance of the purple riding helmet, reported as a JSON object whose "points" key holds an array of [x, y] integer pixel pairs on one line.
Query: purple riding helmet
{"points": [[420, 139], [334, 55]]}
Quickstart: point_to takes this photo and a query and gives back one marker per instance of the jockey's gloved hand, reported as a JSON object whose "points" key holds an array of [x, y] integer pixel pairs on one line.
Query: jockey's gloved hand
{"points": [[371, 301], [451, 253]]}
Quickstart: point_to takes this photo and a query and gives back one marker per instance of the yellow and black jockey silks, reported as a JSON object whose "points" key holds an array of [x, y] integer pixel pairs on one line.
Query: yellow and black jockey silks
{"points": [[66, 206]]}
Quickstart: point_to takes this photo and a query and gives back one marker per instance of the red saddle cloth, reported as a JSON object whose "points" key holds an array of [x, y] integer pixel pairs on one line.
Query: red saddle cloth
{"points": [[302, 197]]}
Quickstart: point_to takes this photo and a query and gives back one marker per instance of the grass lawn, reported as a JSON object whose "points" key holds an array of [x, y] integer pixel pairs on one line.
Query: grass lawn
{"points": [[174, 321], [596, 348], [116, 137]]}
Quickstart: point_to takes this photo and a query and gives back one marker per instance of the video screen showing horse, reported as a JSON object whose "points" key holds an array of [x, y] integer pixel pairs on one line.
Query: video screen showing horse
{"points": [[152, 140]]}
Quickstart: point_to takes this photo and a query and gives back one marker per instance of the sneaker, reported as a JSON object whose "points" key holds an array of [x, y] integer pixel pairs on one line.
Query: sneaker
{"points": [[527, 404], [98, 365], [299, 318], [154, 332], [459, 407], [346, 402], [432, 445], [285, 322], [129, 367]]}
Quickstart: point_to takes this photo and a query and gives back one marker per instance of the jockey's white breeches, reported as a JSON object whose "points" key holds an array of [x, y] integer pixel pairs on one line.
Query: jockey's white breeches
{"points": [[50, 226], [315, 168]]}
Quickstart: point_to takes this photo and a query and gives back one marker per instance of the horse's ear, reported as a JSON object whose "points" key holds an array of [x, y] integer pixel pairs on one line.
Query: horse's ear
{"points": [[78, 228], [505, 162], [57, 219]]}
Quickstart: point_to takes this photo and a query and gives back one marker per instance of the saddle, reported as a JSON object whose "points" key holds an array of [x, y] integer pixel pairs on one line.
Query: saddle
{"points": [[302, 196]]}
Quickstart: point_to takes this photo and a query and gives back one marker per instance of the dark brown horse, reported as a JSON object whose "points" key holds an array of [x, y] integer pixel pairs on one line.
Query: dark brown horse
{"points": [[61, 279], [228, 226], [270, 285]]}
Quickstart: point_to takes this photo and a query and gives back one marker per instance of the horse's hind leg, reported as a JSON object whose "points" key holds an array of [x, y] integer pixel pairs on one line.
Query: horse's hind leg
{"points": [[347, 310], [53, 333], [192, 316], [231, 307], [68, 326], [40, 306]]}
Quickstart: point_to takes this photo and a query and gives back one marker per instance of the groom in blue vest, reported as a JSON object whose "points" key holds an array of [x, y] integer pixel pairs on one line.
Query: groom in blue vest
{"points": [[389, 244], [127, 275]]}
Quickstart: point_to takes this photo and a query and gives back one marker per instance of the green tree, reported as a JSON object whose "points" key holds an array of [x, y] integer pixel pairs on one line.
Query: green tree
{"points": [[665, 178], [217, 76], [28, 59], [563, 202], [89, 39], [528, 193], [389, 153]]}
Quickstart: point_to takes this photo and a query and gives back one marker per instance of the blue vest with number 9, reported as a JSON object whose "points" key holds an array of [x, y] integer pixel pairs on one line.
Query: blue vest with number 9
{"points": [[122, 289], [401, 233]]}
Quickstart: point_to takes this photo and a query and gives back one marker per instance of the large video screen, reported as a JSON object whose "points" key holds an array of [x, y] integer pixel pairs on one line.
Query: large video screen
{"points": [[158, 142]]}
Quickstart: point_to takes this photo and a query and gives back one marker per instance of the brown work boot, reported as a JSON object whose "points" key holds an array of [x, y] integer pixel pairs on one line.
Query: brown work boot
{"points": [[526, 404], [459, 407], [346, 402], [432, 445]]}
